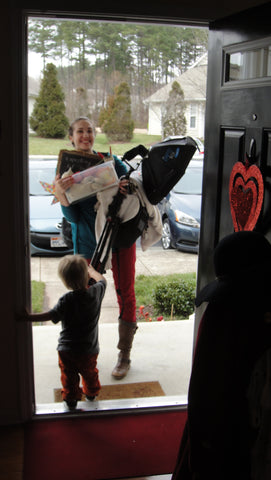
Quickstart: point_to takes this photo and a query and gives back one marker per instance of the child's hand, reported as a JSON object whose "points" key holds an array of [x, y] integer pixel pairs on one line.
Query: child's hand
{"points": [[91, 271], [24, 315], [94, 274]]}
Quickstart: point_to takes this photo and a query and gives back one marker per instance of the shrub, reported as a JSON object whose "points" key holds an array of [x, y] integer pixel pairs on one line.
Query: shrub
{"points": [[48, 118], [116, 120], [179, 296], [173, 120]]}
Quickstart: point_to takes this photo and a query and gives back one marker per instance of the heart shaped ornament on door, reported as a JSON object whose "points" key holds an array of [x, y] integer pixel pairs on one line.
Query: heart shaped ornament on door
{"points": [[246, 195]]}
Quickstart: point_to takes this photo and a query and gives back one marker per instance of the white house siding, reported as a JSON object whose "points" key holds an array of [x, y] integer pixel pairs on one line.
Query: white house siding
{"points": [[31, 102], [33, 90], [199, 114], [155, 120], [193, 83], [155, 117]]}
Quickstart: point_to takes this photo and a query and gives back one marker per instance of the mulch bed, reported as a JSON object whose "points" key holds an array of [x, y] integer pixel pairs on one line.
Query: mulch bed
{"points": [[146, 314]]}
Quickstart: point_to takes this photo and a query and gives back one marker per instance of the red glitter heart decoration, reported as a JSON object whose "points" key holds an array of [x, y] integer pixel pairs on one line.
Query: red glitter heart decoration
{"points": [[246, 195]]}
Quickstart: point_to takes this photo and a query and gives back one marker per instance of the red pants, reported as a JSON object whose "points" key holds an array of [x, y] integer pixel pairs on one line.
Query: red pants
{"points": [[71, 365], [123, 268]]}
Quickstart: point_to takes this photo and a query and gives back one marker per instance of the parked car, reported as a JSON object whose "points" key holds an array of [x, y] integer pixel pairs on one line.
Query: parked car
{"points": [[199, 154], [45, 217], [180, 211]]}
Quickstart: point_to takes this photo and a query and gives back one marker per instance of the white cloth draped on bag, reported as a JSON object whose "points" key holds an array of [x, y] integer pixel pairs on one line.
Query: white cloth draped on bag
{"points": [[128, 210]]}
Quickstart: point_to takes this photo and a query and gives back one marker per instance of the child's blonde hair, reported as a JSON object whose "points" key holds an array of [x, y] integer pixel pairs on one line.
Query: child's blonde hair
{"points": [[73, 271]]}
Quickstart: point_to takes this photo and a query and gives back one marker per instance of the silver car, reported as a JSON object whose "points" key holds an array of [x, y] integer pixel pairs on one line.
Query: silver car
{"points": [[45, 216]]}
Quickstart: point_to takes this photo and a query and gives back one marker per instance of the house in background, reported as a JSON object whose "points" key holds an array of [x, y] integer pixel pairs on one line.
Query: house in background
{"points": [[193, 84], [33, 91]]}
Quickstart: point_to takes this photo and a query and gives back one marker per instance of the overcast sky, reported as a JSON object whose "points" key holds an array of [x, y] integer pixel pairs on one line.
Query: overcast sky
{"points": [[34, 65]]}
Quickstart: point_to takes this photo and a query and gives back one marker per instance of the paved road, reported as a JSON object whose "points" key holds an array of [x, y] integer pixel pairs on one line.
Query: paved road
{"points": [[154, 261]]}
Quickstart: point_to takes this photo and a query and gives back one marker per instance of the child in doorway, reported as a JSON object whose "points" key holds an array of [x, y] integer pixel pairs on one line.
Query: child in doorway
{"points": [[79, 312]]}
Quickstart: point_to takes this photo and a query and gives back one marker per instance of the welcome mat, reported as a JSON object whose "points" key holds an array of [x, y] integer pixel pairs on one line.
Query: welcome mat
{"points": [[123, 390]]}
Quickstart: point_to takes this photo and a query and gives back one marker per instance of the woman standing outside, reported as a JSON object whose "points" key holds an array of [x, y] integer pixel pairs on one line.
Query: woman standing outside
{"points": [[82, 216]]}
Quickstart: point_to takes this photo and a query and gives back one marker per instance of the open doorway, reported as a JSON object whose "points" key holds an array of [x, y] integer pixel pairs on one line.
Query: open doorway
{"points": [[162, 350]]}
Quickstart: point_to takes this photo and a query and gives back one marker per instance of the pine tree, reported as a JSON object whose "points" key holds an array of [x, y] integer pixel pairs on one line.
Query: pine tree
{"points": [[173, 119], [48, 119], [118, 124]]}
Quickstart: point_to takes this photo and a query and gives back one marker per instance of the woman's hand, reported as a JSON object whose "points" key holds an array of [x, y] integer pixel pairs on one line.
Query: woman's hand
{"points": [[61, 185], [123, 186]]}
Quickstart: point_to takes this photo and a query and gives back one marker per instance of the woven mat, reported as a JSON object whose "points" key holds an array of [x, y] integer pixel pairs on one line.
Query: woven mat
{"points": [[125, 390]]}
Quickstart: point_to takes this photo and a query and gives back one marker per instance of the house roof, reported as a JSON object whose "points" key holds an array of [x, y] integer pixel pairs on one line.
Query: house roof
{"points": [[192, 82]]}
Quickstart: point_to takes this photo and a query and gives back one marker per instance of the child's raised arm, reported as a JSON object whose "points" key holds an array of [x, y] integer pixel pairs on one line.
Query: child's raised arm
{"points": [[94, 274]]}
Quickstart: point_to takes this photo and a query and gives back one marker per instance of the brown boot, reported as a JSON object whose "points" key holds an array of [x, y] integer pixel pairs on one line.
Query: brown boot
{"points": [[126, 336]]}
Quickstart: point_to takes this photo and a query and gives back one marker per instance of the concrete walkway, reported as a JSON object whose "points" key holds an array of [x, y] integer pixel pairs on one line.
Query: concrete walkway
{"points": [[162, 351]]}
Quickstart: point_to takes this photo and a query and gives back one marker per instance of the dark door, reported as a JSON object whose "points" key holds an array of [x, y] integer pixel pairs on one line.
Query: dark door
{"points": [[238, 122], [245, 127]]}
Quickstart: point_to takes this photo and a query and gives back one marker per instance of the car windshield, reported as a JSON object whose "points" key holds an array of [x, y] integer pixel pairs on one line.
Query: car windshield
{"points": [[36, 175], [191, 182]]}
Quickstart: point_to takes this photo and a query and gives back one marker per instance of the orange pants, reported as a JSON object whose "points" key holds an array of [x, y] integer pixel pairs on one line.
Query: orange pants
{"points": [[72, 365]]}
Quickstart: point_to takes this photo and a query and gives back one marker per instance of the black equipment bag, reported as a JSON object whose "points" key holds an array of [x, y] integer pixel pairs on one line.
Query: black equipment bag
{"points": [[128, 232], [163, 165]]}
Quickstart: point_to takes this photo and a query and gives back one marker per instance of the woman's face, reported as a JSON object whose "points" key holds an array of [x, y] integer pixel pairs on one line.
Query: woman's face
{"points": [[83, 136]]}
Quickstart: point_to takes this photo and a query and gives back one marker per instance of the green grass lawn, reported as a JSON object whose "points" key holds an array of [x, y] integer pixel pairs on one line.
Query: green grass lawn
{"points": [[144, 288], [37, 293], [51, 146]]}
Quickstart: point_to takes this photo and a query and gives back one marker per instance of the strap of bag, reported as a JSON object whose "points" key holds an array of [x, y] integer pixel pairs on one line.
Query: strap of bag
{"points": [[118, 289]]}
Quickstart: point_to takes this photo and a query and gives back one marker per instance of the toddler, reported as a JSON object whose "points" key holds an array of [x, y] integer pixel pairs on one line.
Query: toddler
{"points": [[78, 311]]}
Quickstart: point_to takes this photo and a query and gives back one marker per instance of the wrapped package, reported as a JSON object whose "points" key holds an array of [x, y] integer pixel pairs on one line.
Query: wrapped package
{"points": [[90, 181]]}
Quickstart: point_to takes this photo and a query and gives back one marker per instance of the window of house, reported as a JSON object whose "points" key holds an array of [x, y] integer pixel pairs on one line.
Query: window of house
{"points": [[193, 116], [249, 62]]}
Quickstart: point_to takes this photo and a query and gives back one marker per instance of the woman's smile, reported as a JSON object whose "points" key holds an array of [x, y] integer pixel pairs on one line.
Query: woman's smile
{"points": [[83, 136]]}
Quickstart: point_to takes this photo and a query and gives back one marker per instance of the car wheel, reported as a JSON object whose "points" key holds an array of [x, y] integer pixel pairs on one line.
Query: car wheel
{"points": [[166, 236]]}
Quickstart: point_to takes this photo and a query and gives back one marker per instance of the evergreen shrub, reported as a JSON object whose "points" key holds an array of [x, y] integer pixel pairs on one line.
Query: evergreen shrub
{"points": [[180, 295], [48, 118], [173, 118], [116, 120]]}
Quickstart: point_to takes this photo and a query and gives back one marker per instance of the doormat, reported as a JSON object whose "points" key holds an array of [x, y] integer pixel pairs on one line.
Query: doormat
{"points": [[123, 390]]}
